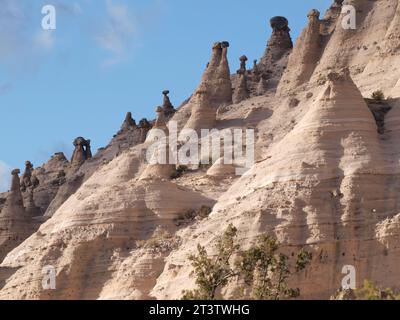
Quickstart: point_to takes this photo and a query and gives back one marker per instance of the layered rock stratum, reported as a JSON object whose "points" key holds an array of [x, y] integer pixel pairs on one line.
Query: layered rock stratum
{"points": [[326, 175]]}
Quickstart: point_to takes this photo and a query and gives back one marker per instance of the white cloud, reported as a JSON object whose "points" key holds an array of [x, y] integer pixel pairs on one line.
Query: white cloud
{"points": [[5, 177], [117, 34], [44, 39]]}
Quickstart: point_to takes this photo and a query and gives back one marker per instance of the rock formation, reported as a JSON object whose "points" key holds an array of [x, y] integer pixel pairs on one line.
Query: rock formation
{"points": [[255, 73], [326, 175], [243, 69], [262, 87], [217, 79], [241, 92], [161, 121], [82, 151], [26, 180], [305, 56], [15, 225], [279, 45], [203, 114], [46, 181], [169, 109], [128, 124]]}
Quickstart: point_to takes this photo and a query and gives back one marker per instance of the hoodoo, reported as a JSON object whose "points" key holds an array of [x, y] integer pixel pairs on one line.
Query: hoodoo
{"points": [[243, 69], [280, 43], [216, 79], [203, 114], [15, 225], [169, 109], [305, 56], [326, 174], [26, 180], [129, 123], [82, 151]]}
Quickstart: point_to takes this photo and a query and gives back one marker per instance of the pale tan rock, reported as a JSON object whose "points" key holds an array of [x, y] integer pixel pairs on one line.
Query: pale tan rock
{"points": [[15, 224], [262, 86], [95, 237], [241, 91], [324, 178], [304, 58], [203, 114]]}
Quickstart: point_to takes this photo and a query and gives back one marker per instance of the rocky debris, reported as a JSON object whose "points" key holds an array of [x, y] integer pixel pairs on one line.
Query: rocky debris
{"points": [[241, 91], [305, 56], [169, 109], [82, 151]]}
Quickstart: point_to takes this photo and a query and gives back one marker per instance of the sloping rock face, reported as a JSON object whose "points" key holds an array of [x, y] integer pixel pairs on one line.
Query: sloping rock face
{"points": [[129, 136], [279, 45], [100, 230], [15, 224], [304, 58], [326, 176], [214, 91], [47, 180], [216, 79], [323, 186], [370, 50]]}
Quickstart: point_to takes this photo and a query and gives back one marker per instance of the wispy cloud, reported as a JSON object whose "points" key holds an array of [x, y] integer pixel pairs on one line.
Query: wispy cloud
{"points": [[4, 177], [117, 35], [5, 88]]}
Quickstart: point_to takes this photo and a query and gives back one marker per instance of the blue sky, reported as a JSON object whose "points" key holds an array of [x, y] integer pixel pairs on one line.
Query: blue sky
{"points": [[107, 57]]}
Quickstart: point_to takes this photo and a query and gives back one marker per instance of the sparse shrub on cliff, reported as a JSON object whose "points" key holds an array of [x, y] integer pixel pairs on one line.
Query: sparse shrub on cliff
{"points": [[378, 95], [266, 271], [263, 270], [367, 292], [213, 273], [192, 215], [370, 292]]}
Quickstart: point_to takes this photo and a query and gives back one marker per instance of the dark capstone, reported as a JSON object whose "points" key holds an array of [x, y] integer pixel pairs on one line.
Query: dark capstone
{"points": [[279, 24], [225, 44]]}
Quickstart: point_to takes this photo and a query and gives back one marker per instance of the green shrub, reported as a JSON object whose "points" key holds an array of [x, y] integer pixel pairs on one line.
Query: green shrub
{"points": [[370, 292], [262, 268], [367, 292]]}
